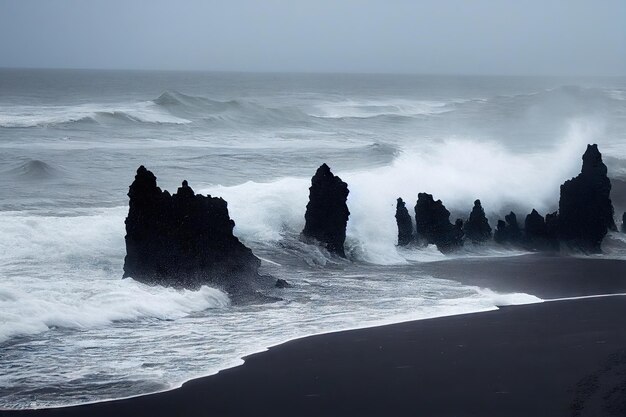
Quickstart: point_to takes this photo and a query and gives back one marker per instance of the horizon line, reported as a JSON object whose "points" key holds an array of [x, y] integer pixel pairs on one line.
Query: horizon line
{"points": [[317, 72]]}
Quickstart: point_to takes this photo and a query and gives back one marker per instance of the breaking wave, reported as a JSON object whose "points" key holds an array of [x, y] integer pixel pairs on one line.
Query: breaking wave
{"points": [[502, 179], [44, 116]]}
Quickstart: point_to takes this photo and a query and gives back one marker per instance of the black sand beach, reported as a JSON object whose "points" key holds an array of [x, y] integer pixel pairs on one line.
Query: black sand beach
{"points": [[545, 276], [557, 358]]}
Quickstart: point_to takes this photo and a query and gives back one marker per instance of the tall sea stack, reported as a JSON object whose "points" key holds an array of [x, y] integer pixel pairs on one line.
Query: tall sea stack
{"points": [[405, 224], [432, 224], [477, 227], [183, 240], [585, 208], [327, 211]]}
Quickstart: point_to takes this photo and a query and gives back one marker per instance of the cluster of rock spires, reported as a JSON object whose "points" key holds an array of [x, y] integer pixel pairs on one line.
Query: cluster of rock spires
{"points": [[186, 240], [585, 215]]}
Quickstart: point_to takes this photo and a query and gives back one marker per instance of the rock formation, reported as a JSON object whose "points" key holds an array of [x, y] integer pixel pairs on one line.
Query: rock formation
{"points": [[585, 208], [624, 222], [183, 240], [432, 224], [508, 230], [405, 224], [539, 234], [477, 227], [327, 212]]}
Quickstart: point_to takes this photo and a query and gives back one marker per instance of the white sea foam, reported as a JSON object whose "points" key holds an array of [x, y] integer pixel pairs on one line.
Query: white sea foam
{"points": [[66, 304], [458, 171], [72, 278]]}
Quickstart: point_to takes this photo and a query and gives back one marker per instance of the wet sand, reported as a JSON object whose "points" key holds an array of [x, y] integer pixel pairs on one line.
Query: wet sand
{"points": [[545, 276]]}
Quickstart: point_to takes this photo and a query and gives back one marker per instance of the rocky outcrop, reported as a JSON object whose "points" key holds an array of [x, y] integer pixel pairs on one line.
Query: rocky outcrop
{"points": [[477, 227], [183, 240], [508, 230], [585, 208], [432, 224], [405, 224], [538, 235], [327, 211]]}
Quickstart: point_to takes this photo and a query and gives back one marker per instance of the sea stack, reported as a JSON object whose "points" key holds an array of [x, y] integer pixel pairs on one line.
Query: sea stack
{"points": [[327, 211], [537, 235], [405, 224], [432, 224], [183, 240], [585, 208], [508, 231], [477, 227]]}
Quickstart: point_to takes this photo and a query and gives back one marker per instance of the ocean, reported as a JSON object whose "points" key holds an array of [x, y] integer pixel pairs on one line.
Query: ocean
{"points": [[72, 331]]}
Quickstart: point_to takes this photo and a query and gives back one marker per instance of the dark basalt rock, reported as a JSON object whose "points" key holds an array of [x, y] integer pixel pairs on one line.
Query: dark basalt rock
{"points": [[281, 283], [508, 231], [432, 224], [477, 227], [585, 208], [405, 224], [537, 234], [327, 212], [183, 240]]}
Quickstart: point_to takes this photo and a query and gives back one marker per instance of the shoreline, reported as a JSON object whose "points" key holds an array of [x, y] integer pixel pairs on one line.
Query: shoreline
{"points": [[334, 356], [499, 277]]}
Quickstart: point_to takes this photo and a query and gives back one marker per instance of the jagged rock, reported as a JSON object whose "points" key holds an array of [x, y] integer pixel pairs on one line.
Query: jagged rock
{"points": [[405, 224], [432, 224], [508, 231], [552, 227], [624, 222], [477, 227], [281, 283], [585, 208], [327, 212], [540, 234], [183, 240]]}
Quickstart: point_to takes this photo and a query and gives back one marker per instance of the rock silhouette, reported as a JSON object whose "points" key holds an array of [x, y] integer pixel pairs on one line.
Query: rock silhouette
{"points": [[327, 211], [183, 240], [585, 208], [538, 235], [508, 230], [477, 227], [432, 224], [405, 224]]}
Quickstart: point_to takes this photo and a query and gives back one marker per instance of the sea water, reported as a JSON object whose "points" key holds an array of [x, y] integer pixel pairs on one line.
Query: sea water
{"points": [[72, 331]]}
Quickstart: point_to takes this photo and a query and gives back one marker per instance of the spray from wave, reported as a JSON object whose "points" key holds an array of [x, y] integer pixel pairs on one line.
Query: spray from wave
{"points": [[456, 170]]}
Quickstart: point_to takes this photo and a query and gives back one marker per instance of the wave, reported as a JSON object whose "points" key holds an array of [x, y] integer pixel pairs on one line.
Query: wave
{"points": [[33, 169], [95, 303], [233, 112], [353, 109], [45, 116], [457, 171]]}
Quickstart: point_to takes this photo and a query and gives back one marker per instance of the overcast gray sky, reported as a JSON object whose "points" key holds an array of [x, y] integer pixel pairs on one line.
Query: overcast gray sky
{"points": [[560, 37]]}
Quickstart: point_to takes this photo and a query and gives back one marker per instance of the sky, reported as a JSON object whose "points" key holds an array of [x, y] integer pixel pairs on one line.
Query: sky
{"points": [[508, 37]]}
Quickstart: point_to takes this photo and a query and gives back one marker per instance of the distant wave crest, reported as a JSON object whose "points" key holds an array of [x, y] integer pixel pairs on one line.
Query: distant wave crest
{"points": [[33, 169], [43, 116]]}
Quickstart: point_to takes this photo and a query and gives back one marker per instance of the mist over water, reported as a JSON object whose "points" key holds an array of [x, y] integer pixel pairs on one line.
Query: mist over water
{"points": [[70, 141]]}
